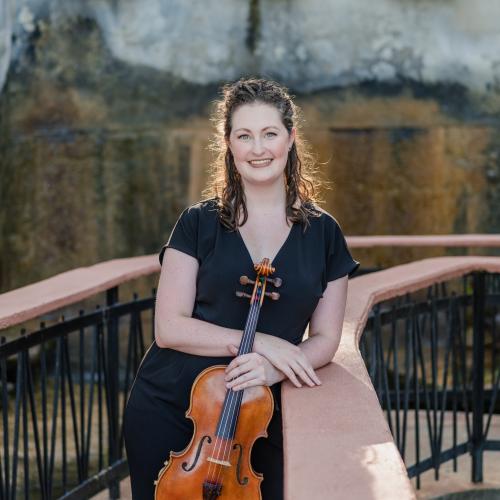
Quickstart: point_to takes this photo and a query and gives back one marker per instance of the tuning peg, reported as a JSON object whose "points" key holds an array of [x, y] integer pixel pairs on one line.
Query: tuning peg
{"points": [[273, 295], [277, 282], [245, 280], [243, 294]]}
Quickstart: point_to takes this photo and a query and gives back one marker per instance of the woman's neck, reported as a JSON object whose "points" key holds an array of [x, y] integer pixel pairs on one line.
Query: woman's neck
{"points": [[265, 200]]}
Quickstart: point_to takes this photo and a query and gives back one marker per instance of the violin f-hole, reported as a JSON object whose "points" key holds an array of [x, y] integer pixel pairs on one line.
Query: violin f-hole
{"points": [[198, 451], [243, 481]]}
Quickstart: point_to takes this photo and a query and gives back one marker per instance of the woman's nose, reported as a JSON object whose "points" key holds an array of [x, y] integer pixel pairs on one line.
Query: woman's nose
{"points": [[257, 147]]}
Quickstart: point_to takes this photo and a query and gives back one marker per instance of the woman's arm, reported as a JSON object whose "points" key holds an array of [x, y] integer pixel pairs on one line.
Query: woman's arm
{"points": [[175, 298], [325, 330], [325, 327]]}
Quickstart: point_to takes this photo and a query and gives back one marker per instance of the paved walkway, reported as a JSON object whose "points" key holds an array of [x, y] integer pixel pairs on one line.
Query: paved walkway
{"points": [[449, 481]]}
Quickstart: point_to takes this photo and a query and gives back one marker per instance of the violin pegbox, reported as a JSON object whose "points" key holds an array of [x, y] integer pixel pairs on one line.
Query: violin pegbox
{"points": [[264, 270]]}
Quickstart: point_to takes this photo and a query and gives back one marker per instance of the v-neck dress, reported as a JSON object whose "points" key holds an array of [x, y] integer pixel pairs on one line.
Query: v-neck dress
{"points": [[306, 262]]}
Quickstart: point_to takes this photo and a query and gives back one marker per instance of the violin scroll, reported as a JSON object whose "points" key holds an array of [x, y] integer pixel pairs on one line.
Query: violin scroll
{"points": [[264, 270], [264, 267]]}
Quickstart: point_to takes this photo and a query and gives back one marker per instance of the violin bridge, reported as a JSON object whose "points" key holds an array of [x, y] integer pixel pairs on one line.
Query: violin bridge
{"points": [[219, 462]]}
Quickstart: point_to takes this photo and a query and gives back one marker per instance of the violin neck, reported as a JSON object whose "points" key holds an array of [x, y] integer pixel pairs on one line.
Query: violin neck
{"points": [[248, 337], [231, 408]]}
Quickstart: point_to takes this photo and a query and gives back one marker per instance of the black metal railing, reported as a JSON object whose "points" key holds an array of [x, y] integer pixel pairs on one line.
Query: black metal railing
{"points": [[63, 391], [433, 358]]}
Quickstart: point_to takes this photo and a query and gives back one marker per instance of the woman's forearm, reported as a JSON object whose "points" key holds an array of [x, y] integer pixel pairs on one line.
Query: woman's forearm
{"points": [[195, 336], [319, 350]]}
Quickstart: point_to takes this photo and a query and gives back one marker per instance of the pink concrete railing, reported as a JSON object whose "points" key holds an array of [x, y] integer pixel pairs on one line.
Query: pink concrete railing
{"points": [[337, 440], [70, 287], [435, 240], [78, 284]]}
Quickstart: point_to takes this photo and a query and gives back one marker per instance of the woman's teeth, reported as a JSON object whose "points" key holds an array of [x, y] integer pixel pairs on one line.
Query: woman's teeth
{"points": [[260, 162]]}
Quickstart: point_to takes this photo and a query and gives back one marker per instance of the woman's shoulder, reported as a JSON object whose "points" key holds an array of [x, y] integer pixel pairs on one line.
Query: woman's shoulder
{"points": [[204, 204], [319, 216], [204, 208]]}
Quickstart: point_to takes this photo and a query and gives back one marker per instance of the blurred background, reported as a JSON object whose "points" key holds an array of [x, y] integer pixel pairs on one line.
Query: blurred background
{"points": [[104, 117], [104, 139]]}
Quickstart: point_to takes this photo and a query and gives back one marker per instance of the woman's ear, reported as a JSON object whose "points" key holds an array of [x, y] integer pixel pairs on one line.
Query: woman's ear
{"points": [[292, 137]]}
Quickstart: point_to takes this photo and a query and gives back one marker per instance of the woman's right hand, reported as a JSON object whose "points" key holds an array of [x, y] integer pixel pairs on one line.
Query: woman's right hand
{"points": [[286, 357], [250, 369]]}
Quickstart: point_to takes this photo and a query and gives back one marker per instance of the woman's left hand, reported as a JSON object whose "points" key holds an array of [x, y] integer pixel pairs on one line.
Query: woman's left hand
{"points": [[250, 369]]}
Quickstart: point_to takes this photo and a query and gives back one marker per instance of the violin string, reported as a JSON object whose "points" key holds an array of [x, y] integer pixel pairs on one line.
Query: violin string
{"points": [[239, 394], [226, 413], [234, 396], [249, 341], [239, 397], [227, 410]]}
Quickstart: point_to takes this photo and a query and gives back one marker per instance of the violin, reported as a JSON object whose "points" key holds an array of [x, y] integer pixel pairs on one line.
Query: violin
{"points": [[216, 463]]}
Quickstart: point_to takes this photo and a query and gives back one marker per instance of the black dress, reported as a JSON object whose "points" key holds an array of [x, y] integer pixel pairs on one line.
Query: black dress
{"points": [[154, 420]]}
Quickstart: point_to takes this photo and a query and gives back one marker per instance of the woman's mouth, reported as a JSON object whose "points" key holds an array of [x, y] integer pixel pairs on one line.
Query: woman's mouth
{"points": [[260, 163]]}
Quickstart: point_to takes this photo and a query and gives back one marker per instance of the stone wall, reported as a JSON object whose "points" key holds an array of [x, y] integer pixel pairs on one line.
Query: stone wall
{"points": [[104, 109], [310, 45]]}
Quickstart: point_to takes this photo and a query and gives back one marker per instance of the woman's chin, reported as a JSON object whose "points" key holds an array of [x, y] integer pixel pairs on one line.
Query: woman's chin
{"points": [[261, 175], [264, 178]]}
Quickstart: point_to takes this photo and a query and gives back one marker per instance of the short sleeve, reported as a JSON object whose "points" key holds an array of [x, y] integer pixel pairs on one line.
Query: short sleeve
{"points": [[184, 235], [339, 258]]}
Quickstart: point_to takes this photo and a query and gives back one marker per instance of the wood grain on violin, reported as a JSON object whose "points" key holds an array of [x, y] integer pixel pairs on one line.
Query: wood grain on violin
{"points": [[216, 463]]}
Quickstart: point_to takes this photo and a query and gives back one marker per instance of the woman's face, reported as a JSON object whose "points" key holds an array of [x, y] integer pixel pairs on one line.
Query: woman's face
{"points": [[260, 143]]}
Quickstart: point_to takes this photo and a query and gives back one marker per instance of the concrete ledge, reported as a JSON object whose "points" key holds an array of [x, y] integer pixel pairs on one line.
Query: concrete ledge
{"points": [[437, 240], [72, 286], [28, 302], [336, 438]]}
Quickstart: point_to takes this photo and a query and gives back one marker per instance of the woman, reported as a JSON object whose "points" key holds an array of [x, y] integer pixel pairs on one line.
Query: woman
{"points": [[261, 204]]}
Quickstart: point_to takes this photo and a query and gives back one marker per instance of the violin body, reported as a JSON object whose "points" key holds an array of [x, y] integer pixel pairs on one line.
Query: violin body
{"points": [[212, 467]]}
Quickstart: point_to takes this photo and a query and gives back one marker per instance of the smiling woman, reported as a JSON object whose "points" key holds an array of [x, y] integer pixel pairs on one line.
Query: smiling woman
{"points": [[266, 143], [261, 204]]}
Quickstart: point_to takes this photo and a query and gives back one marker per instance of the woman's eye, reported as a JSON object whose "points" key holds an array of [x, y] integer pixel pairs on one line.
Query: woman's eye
{"points": [[246, 135]]}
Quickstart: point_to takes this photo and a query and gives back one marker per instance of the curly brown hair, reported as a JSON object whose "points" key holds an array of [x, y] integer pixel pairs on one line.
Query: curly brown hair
{"points": [[302, 181]]}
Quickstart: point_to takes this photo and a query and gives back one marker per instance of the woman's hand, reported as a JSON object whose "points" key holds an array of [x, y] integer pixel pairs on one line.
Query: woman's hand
{"points": [[250, 369], [287, 358]]}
